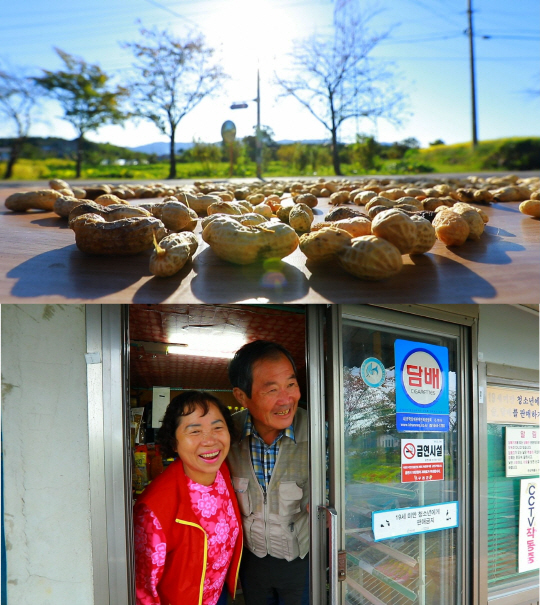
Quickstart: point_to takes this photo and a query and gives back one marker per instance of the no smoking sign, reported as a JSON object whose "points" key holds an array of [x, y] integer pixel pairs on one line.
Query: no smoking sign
{"points": [[422, 460]]}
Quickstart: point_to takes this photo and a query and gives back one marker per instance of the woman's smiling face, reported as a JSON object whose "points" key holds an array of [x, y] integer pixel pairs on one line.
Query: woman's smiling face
{"points": [[202, 443]]}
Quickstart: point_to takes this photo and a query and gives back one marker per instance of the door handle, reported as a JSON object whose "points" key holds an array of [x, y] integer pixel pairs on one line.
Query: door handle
{"points": [[332, 554]]}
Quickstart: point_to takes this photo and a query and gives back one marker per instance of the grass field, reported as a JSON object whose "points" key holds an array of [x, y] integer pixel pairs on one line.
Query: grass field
{"points": [[509, 154]]}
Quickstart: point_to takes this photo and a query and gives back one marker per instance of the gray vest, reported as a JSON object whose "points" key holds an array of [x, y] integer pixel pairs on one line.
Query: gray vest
{"points": [[277, 525]]}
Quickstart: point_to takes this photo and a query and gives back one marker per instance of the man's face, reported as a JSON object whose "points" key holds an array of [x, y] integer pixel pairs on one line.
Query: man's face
{"points": [[274, 396]]}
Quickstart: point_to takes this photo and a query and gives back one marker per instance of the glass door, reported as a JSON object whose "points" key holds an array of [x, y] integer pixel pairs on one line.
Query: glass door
{"points": [[395, 460]]}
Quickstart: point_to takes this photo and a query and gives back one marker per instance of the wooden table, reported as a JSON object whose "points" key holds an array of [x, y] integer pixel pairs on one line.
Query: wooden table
{"points": [[39, 262]]}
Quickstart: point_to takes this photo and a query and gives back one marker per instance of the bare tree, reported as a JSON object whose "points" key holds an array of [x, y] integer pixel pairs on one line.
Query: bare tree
{"points": [[18, 100], [86, 96], [173, 76], [336, 79]]}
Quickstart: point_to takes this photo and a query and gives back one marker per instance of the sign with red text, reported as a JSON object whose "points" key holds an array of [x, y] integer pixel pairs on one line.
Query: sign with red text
{"points": [[522, 452], [422, 460], [528, 526], [422, 400]]}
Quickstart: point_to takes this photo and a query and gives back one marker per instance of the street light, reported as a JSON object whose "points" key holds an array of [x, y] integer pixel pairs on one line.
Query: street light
{"points": [[258, 142]]}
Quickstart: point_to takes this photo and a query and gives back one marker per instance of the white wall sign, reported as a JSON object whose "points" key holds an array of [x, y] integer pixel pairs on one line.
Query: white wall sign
{"points": [[422, 460], [522, 452], [528, 511], [161, 397], [512, 406], [418, 520]]}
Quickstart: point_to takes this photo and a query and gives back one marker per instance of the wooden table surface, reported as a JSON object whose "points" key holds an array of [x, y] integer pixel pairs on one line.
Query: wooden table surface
{"points": [[39, 262]]}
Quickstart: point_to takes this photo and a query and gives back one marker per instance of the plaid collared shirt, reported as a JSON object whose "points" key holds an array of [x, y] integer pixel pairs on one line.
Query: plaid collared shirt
{"points": [[263, 456]]}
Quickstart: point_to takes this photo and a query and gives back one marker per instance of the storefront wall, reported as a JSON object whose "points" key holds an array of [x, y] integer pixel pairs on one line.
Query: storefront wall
{"points": [[64, 442], [46, 456], [508, 388], [508, 335]]}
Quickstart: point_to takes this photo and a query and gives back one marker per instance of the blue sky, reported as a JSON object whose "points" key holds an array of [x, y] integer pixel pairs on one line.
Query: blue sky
{"points": [[426, 46]]}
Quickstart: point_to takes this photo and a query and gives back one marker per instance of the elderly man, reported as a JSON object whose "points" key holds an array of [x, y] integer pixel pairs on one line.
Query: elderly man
{"points": [[269, 468]]}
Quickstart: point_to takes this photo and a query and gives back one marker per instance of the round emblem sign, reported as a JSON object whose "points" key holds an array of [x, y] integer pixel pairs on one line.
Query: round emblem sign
{"points": [[373, 372], [422, 377], [228, 131]]}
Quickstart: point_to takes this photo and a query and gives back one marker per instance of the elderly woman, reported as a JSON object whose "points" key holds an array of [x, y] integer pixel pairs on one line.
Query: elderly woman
{"points": [[188, 535]]}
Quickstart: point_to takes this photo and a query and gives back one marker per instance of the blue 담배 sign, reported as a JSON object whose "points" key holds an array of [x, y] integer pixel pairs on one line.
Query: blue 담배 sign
{"points": [[421, 387], [373, 372]]}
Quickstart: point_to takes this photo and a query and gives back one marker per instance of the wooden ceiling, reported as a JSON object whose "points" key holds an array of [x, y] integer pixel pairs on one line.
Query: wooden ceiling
{"points": [[208, 335]]}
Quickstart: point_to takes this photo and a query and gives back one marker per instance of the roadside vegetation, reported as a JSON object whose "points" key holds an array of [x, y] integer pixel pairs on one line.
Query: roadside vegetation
{"points": [[42, 159]]}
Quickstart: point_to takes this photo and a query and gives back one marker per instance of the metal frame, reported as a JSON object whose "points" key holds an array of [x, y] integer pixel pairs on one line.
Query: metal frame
{"points": [[462, 326], [109, 455], [336, 420], [498, 375], [317, 440]]}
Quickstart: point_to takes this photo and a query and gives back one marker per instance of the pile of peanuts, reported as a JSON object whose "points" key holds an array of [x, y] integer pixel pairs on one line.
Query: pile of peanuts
{"points": [[374, 222]]}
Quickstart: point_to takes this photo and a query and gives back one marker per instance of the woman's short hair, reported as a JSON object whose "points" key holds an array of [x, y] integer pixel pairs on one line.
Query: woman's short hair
{"points": [[183, 405], [241, 365]]}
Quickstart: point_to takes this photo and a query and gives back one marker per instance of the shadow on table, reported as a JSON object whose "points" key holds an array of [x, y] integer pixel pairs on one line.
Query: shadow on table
{"points": [[417, 283], [158, 289], [52, 221], [492, 248], [270, 281], [69, 273]]}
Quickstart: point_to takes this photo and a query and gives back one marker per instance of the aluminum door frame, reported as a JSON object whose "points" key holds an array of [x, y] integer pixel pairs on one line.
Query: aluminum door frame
{"points": [[463, 327], [315, 316], [110, 461]]}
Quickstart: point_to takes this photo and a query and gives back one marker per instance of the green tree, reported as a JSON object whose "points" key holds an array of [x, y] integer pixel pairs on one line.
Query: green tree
{"points": [[365, 151], [206, 154], [86, 95], [173, 76], [269, 146], [18, 101], [336, 79]]}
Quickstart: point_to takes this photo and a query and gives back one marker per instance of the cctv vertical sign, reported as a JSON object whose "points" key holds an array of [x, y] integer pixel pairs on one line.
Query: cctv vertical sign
{"points": [[422, 403]]}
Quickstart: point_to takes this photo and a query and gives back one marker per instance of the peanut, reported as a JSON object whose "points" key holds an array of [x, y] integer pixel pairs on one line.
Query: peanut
{"points": [[339, 197], [370, 257], [356, 226], [308, 199], [460, 207], [451, 228], [362, 198], [243, 245], [224, 208], [425, 235], [396, 227], [172, 253], [380, 201], [530, 207], [64, 205], [301, 217], [110, 213], [264, 210], [42, 199], [95, 235], [178, 217], [108, 198], [58, 184], [324, 243]]}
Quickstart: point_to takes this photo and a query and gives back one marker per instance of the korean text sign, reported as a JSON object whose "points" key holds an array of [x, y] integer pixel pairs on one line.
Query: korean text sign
{"points": [[422, 402], [528, 530], [422, 460]]}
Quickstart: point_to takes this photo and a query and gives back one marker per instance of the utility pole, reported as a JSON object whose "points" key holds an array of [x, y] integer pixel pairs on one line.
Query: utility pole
{"points": [[258, 138], [473, 86], [258, 142]]}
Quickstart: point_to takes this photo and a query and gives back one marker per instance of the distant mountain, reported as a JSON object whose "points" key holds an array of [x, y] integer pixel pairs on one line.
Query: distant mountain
{"points": [[162, 148]]}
